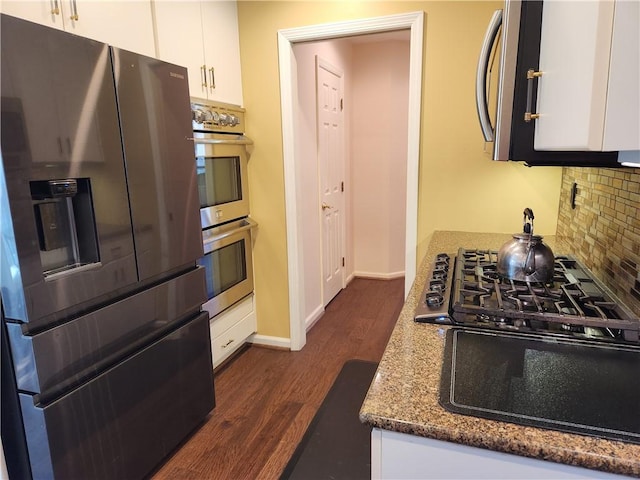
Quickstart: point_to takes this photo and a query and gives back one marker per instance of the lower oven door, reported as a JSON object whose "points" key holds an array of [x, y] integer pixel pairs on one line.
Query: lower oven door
{"points": [[228, 264]]}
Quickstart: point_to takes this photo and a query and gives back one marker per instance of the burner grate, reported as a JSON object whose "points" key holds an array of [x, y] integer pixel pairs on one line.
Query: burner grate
{"points": [[573, 302]]}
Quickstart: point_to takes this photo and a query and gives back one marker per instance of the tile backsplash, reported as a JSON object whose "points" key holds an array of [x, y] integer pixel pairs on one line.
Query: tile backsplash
{"points": [[603, 231]]}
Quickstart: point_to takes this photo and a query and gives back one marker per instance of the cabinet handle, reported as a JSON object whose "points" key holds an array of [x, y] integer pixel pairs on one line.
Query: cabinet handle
{"points": [[74, 11], [227, 344], [56, 9], [60, 149], [204, 75], [531, 75], [212, 76]]}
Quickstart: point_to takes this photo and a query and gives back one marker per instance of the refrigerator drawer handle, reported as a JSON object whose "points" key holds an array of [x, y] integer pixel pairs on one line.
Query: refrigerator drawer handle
{"points": [[481, 75]]}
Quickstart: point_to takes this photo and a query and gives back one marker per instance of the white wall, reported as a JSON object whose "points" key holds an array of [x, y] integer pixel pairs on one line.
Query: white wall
{"points": [[379, 157]]}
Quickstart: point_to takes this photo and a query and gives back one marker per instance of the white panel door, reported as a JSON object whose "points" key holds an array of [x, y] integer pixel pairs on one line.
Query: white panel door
{"points": [[331, 170]]}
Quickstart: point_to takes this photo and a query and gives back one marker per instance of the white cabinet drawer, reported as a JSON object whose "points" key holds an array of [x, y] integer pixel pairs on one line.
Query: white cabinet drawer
{"points": [[229, 341], [231, 316], [231, 328]]}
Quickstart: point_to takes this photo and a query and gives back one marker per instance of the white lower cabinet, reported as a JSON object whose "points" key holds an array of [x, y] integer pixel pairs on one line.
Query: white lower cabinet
{"points": [[401, 456], [231, 329]]}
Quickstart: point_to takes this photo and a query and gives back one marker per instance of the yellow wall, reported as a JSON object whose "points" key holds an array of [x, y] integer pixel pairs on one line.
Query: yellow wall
{"points": [[460, 188]]}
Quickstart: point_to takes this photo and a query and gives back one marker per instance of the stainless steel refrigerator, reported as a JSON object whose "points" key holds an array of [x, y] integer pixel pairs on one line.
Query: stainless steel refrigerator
{"points": [[106, 354]]}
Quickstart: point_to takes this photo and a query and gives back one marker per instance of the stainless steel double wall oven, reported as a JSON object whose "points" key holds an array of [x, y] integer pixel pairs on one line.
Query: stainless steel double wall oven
{"points": [[221, 166], [106, 354]]}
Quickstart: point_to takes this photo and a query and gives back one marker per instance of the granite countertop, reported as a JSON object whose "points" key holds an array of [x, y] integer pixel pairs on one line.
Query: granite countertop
{"points": [[404, 395]]}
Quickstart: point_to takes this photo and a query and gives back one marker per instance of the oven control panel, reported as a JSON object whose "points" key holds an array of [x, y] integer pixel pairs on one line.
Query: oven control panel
{"points": [[216, 117], [433, 304]]}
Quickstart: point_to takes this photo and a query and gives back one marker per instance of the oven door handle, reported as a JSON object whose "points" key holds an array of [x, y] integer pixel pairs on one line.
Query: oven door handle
{"points": [[209, 243], [239, 140]]}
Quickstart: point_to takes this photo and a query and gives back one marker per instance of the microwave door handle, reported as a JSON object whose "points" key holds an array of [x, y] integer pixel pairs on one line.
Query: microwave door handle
{"points": [[481, 76]]}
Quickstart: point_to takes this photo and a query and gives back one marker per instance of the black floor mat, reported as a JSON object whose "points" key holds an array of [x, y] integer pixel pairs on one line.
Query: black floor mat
{"points": [[336, 445]]}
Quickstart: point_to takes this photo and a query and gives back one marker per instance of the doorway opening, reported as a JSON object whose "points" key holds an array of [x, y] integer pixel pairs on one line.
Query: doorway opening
{"points": [[291, 143]]}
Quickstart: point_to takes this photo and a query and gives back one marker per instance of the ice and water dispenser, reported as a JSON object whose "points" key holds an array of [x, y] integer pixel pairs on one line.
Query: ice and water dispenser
{"points": [[66, 225]]}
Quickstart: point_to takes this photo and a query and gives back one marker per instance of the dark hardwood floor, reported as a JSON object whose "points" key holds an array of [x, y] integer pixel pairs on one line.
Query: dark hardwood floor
{"points": [[266, 397]]}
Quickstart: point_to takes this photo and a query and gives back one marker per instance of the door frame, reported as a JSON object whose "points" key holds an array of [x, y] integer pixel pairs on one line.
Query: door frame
{"points": [[288, 87]]}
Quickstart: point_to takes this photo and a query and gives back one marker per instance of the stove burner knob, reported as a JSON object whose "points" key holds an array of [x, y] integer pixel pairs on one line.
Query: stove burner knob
{"points": [[207, 115], [442, 265], [442, 257], [224, 119], [439, 275], [198, 116], [434, 299], [436, 286], [233, 120]]}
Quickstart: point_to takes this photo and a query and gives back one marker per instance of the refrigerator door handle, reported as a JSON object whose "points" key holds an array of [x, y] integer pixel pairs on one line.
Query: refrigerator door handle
{"points": [[481, 76]]}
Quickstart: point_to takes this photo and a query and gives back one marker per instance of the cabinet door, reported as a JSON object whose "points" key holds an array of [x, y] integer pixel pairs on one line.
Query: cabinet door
{"points": [[222, 50], [574, 57], [179, 39], [622, 123], [127, 25], [44, 12], [588, 93]]}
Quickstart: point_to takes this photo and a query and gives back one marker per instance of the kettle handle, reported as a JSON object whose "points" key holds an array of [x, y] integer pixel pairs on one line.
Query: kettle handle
{"points": [[527, 227], [528, 213], [530, 261]]}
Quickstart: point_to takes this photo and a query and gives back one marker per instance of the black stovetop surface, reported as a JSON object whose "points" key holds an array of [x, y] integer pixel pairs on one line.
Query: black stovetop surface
{"points": [[570, 385]]}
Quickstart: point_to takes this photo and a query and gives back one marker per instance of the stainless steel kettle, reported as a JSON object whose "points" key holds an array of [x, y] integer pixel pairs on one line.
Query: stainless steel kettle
{"points": [[525, 257]]}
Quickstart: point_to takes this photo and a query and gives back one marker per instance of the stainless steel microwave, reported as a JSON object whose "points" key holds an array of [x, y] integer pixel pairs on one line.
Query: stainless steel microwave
{"points": [[510, 49]]}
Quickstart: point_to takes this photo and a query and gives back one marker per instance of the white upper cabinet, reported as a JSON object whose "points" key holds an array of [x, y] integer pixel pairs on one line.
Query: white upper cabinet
{"points": [[202, 36], [588, 94], [127, 25]]}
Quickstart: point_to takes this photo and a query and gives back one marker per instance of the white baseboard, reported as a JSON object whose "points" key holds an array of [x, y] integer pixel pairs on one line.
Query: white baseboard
{"points": [[349, 278], [313, 318], [269, 341], [379, 276]]}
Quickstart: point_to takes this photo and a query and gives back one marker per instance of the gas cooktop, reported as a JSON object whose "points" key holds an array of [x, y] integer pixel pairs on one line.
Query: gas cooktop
{"points": [[562, 355], [468, 291]]}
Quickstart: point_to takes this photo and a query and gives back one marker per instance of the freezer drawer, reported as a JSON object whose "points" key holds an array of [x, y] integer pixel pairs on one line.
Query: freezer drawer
{"points": [[53, 361], [124, 422]]}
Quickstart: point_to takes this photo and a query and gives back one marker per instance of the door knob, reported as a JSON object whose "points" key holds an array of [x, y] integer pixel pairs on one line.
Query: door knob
{"points": [[325, 206]]}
